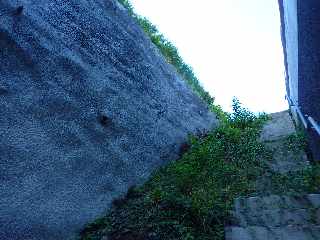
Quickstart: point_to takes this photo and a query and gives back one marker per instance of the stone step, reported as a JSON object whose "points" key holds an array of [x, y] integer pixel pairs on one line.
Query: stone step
{"points": [[274, 211], [277, 218], [272, 202], [285, 159], [280, 125], [286, 166], [311, 232]]}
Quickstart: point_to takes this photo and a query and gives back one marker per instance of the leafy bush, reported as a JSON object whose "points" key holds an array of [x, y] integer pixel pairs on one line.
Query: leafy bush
{"points": [[190, 198], [243, 118], [298, 182], [297, 142], [171, 54]]}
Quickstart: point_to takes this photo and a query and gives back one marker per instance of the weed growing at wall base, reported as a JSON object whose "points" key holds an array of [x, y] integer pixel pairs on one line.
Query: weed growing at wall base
{"points": [[190, 198]]}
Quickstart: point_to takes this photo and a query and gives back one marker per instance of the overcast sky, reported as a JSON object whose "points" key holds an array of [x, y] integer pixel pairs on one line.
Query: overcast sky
{"points": [[234, 46]]}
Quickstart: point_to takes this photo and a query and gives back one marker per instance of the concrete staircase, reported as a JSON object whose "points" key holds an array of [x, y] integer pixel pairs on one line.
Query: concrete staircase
{"points": [[277, 217]]}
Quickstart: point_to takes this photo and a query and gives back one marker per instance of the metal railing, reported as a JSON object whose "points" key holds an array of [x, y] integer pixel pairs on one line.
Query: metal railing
{"points": [[314, 124], [305, 119]]}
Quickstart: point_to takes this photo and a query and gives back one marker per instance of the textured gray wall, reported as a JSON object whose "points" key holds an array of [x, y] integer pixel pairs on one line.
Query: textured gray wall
{"points": [[88, 107]]}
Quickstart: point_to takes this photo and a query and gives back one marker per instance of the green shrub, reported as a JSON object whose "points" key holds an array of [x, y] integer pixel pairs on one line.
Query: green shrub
{"points": [[190, 198], [298, 182], [297, 142]]}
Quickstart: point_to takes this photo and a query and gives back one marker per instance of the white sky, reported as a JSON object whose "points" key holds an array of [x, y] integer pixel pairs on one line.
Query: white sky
{"points": [[234, 46]]}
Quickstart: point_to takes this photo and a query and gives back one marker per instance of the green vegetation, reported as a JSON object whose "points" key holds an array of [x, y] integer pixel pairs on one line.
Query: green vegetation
{"points": [[298, 182], [296, 142], [171, 54], [190, 198]]}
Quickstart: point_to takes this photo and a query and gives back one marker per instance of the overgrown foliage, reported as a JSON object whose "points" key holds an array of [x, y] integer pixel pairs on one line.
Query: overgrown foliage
{"points": [[298, 182], [171, 54], [296, 142], [190, 198], [306, 180]]}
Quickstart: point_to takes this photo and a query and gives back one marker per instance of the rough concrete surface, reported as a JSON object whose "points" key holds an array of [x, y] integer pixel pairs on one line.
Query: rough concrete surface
{"points": [[278, 127], [88, 107], [277, 217]]}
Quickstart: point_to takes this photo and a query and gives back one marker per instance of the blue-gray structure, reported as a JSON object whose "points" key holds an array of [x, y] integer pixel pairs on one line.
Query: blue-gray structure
{"points": [[300, 28], [88, 108]]}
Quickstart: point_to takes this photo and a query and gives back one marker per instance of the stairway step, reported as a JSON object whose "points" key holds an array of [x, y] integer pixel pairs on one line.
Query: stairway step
{"points": [[277, 217], [274, 211], [272, 202], [311, 232], [281, 125], [314, 200], [285, 159]]}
